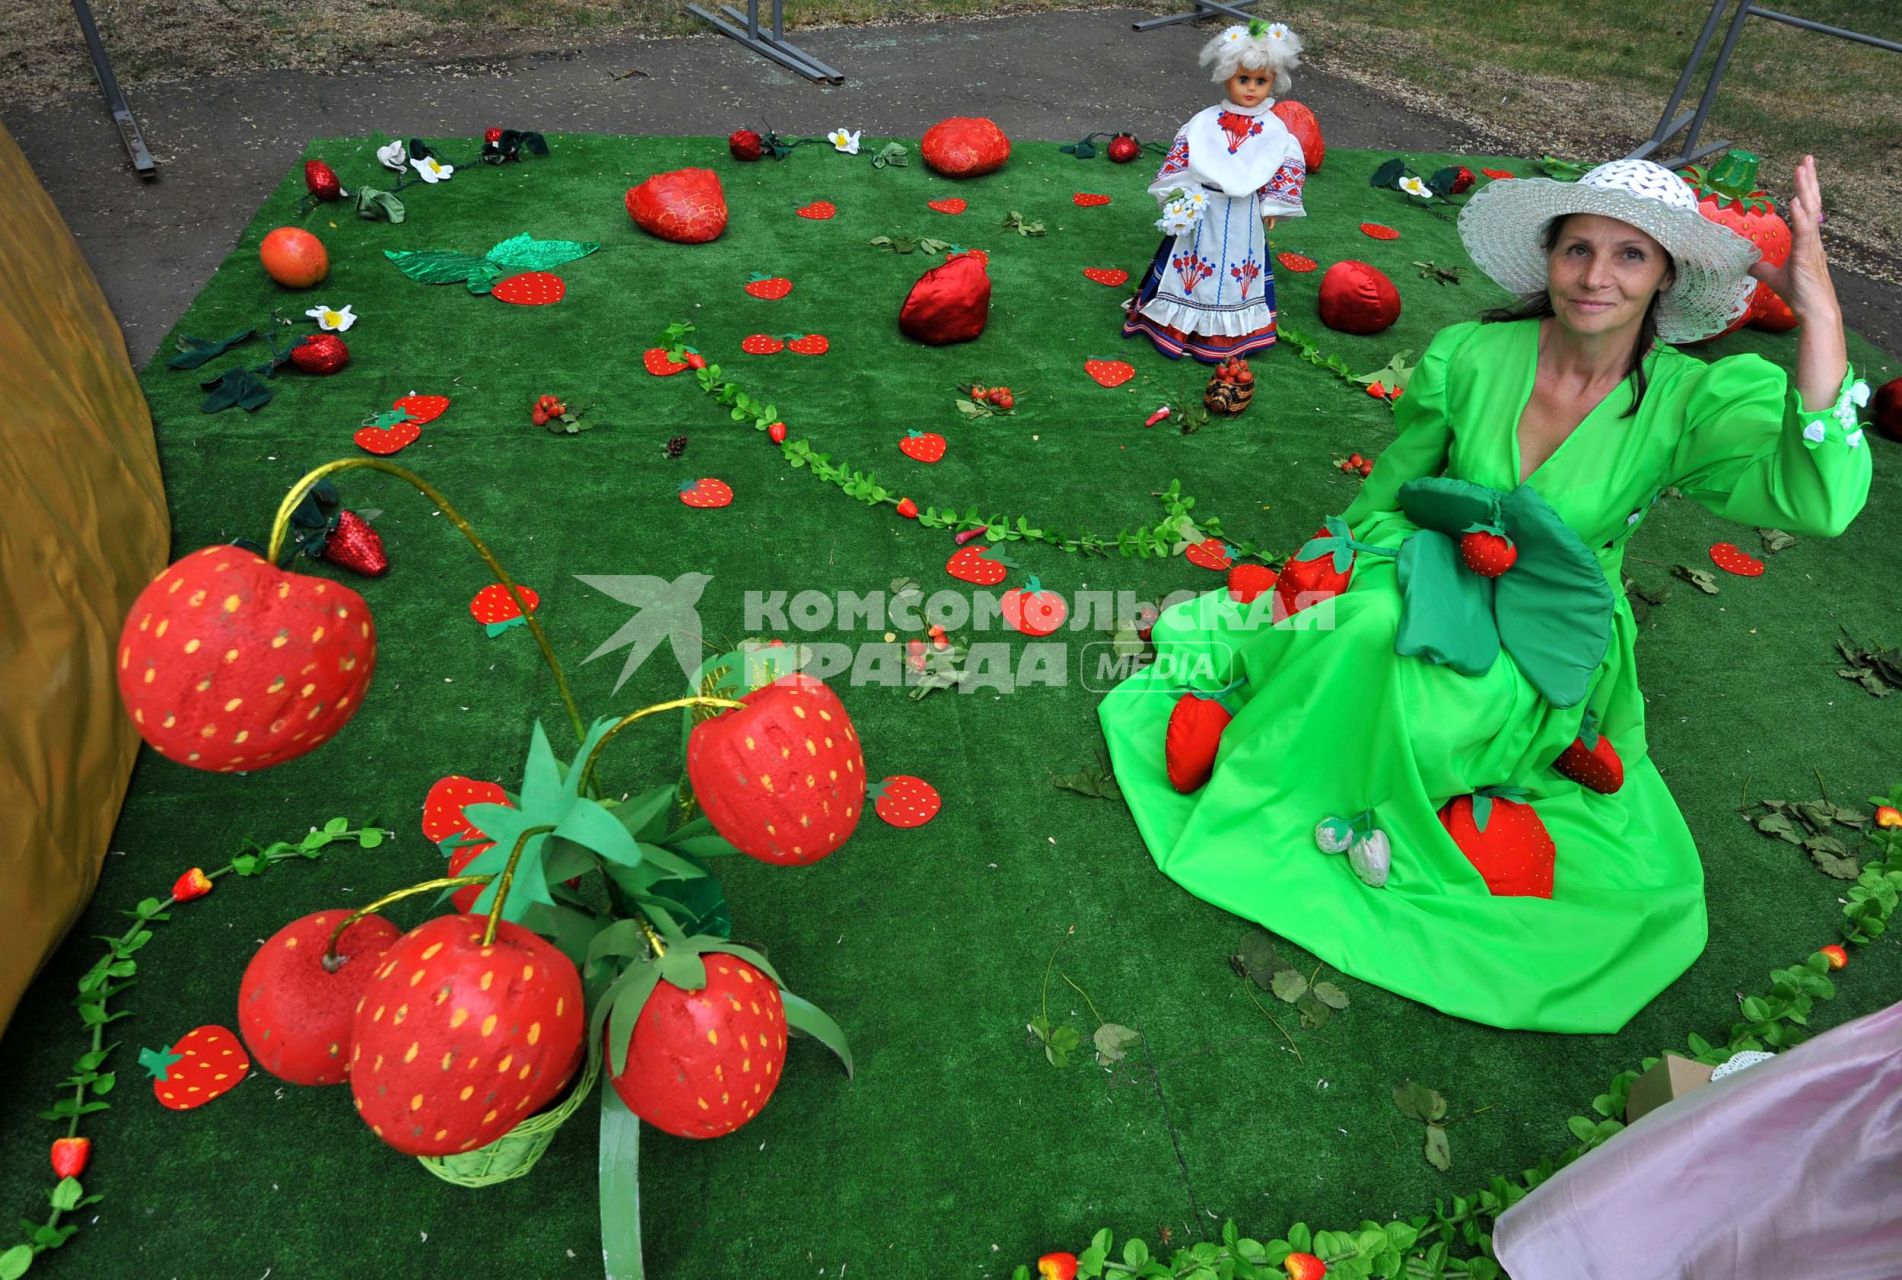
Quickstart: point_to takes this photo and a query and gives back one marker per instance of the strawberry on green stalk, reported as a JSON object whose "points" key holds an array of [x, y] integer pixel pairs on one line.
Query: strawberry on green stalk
{"points": [[776, 433], [193, 884], [444, 820], [421, 410], [1834, 953], [70, 1156], [1057, 1266], [205, 1063], [353, 544], [1303, 1266], [907, 508]]}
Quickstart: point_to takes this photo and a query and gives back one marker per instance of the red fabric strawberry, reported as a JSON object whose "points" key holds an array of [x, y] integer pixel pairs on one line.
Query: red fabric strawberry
{"points": [[1591, 760], [421, 410], [295, 1011], [702, 1063], [1089, 200], [1193, 737], [1306, 130], [194, 884], [1109, 373], [656, 362], [229, 663], [496, 609], [745, 145], [321, 180], [950, 204], [964, 147], [706, 492], [905, 801], [456, 1043], [761, 344], [1733, 559], [686, 206], [531, 289], [1299, 263], [356, 546], [976, 565], [1032, 610], [1357, 297], [818, 210], [320, 353], [70, 1155], [1378, 231], [1305, 583], [1249, 582], [950, 302], [1487, 552], [768, 287], [783, 779], [808, 344], [1210, 553], [1111, 276], [205, 1063], [925, 446], [1505, 842]]}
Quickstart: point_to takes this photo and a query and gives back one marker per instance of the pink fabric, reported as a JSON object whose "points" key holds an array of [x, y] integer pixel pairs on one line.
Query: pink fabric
{"points": [[1790, 1168]]}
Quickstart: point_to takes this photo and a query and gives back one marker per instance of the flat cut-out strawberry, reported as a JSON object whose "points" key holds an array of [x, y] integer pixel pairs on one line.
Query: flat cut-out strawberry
{"points": [[1378, 231], [706, 492], [1733, 559], [975, 565], [905, 801], [204, 1063], [1033, 610], [1300, 263], [808, 344], [950, 204], [771, 288], [496, 609], [1088, 200], [761, 344], [925, 446], [1111, 276], [818, 210], [531, 289], [656, 362], [1499, 173], [388, 433], [1210, 553], [1109, 373], [421, 410], [443, 819]]}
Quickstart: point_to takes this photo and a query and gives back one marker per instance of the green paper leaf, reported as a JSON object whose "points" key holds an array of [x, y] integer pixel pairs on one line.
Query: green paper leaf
{"points": [[589, 825], [433, 266], [525, 253], [1113, 1041], [1439, 1152], [804, 1016], [620, 1186]]}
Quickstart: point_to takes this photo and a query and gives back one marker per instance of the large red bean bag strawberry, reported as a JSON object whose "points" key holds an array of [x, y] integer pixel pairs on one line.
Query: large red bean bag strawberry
{"points": [[965, 146], [950, 303], [1888, 409], [1358, 298], [1306, 130], [685, 206]]}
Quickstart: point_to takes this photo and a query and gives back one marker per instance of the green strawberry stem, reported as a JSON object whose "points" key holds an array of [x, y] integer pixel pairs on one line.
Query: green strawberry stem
{"points": [[333, 962], [587, 766], [281, 524], [508, 879]]}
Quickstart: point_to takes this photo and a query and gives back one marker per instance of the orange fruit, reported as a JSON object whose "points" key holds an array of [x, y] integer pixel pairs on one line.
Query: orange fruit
{"points": [[294, 257]]}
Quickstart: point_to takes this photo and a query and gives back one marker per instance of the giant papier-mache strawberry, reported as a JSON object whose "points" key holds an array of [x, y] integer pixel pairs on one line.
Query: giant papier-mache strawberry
{"points": [[965, 146], [686, 206], [227, 663], [1306, 130], [297, 1001], [702, 1063], [782, 779], [458, 1041], [1728, 194]]}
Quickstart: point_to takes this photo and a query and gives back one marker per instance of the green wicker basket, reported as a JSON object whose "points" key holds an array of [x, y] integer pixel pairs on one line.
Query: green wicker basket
{"points": [[514, 1153]]}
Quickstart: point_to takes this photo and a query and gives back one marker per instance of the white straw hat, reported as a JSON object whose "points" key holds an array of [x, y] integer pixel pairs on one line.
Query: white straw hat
{"points": [[1503, 227]]}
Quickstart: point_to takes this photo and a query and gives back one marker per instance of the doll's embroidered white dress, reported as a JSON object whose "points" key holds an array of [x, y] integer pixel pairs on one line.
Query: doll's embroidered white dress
{"points": [[1210, 293]]}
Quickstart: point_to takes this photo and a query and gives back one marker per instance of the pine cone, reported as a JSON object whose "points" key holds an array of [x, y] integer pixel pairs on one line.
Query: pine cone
{"points": [[676, 446]]}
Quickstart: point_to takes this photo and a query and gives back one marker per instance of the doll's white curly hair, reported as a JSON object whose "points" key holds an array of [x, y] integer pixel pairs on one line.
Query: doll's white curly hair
{"points": [[1257, 45]]}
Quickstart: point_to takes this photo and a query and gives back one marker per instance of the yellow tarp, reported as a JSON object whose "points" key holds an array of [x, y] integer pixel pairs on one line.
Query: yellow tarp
{"points": [[83, 527]]}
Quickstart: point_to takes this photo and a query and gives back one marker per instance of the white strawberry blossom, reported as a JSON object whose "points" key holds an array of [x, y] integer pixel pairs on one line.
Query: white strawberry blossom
{"points": [[335, 321], [845, 140], [394, 156], [1414, 187], [431, 170]]}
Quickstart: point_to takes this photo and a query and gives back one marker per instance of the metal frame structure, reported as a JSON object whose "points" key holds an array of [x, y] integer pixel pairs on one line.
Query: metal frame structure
{"points": [[1236, 9], [122, 117], [1673, 120], [745, 28]]}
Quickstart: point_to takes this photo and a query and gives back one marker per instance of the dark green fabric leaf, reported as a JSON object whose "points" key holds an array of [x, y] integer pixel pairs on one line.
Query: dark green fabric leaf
{"points": [[193, 352], [1447, 610], [525, 253], [433, 266], [1554, 607]]}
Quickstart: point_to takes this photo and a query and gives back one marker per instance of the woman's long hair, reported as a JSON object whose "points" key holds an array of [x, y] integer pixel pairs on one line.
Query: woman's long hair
{"points": [[1539, 305]]}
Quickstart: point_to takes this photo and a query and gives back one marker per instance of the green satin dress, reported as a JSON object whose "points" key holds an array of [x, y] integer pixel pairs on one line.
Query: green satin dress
{"points": [[1335, 722]]}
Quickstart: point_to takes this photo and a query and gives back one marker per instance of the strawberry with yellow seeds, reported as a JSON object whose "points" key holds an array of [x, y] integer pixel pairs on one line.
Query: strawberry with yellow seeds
{"points": [[1210, 553], [1089, 200], [1111, 276], [193, 884], [1303, 1266], [783, 778], [495, 608], [924, 446], [1591, 760], [702, 1063], [950, 204], [458, 1041], [706, 493], [296, 1005], [531, 289], [205, 1063], [387, 433], [905, 801], [444, 820], [228, 663], [656, 362], [1834, 953], [818, 210], [421, 409], [976, 566], [761, 344], [1249, 582], [1732, 559], [1299, 263], [808, 344], [771, 288], [1505, 840]]}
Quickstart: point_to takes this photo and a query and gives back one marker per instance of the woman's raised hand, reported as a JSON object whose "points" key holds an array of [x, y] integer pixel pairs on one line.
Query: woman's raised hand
{"points": [[1803, 280]]}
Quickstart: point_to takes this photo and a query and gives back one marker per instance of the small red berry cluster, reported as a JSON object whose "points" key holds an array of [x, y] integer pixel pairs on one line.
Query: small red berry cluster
{"points": [[998, 398]]}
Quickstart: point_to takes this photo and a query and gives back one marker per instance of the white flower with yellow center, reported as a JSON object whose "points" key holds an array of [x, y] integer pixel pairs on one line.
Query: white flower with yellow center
{"points": [[1232, 34], [1277, 31], [332, 321], [845, 140], [1414, 187], [430, 169]]}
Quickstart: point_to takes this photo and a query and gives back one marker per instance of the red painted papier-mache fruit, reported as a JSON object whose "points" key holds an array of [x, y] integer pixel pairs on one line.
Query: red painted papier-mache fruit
{"points": [[295, 1009], [783, 779], [458, 1042], [686, 206], [1728, 194], [227, 663], [702, 1063]]}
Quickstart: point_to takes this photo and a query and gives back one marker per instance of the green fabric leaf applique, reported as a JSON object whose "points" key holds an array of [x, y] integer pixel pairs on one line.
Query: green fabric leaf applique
{"points": [[193, 352], [525, 253], [433, 266]]}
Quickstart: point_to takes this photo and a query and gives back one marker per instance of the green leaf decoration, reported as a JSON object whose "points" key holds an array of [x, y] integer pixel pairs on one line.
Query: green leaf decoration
{"points": [[891, 153], [1113, 1042], [1330, 995], [1288, 984], [235, 388], [193, 352], [525, 253], [374, 204], [1393, 375], [484, 276], [802, 1015], [15, 1261], [1439, 1152], [1389, 173], [620, 1184], [433, 266]]}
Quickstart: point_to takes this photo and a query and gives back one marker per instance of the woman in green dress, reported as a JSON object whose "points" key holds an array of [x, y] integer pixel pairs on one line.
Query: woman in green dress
{"points": [[1429, 658]]}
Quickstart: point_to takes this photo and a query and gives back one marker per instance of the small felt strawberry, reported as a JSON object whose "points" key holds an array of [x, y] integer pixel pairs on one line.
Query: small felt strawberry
{"points": [[1499, 173], [808, 344], [1032, 610], [531, 289], [385, 439], [1249, 582], [818, 210], [1591, 760], [321, 180], [745, 144], [320, 353], [496, 609], [656, 362], [1111, 276], [907, 508], [1109, 373], [444, 820], [70, 1156], [1088, 200], [706, 492], [905, 801], [421, 410], [353, 544], [1303, 1266], [761, 344], [974, 565], [1462, 180], [1487, 551], [1504, 840], [1834, 953], [206, 1063], [1210, 553], [925, 446], [776, 433], [950, 204], [193, 884], [771, 288], [1299, 263], [1057, 1266], [1732, 559], [1192, 740], [1378, 232]]}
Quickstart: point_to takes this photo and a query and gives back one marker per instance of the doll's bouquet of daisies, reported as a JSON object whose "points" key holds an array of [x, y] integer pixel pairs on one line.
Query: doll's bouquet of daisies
{"points": [[1181, 211]]}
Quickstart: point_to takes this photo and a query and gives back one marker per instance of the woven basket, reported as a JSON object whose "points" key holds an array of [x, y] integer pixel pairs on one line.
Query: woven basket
{"points": [[1228, 398], [515, 1153]]}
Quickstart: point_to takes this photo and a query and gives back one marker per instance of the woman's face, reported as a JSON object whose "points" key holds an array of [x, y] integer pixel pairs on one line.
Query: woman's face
{"points": [[1249, 88], [1603, 274]]}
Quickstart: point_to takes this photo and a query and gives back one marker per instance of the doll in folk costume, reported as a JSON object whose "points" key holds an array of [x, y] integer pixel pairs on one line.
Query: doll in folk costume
{"points": [[1233, 169]]}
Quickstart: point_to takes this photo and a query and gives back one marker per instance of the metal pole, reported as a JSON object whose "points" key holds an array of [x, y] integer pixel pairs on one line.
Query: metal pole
{"points": [[1670, 122], [1203, 9], [122, 117], [747, 32], [1716, 76], [1826, 29]]}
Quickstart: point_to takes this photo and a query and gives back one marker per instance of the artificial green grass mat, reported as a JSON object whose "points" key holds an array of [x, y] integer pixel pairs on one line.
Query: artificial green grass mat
{"points": [[958, 1150]]}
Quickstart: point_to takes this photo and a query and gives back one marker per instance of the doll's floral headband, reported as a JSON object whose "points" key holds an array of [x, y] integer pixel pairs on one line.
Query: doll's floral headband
{"points": [[1255, 29]]}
